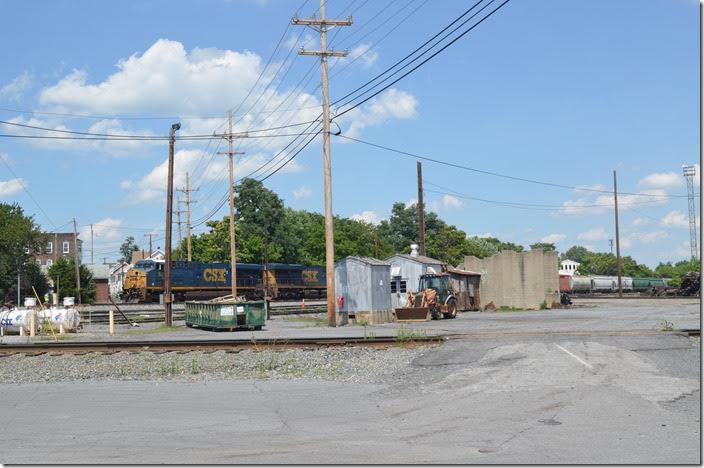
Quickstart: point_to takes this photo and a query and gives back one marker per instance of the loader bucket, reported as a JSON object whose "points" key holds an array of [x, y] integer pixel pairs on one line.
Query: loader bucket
{"points": [[416, 314]]}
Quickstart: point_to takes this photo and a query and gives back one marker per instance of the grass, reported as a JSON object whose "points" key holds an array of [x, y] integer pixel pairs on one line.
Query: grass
{"points": [[544, 305], [666, 326], [408, 335], [509, 309], [150, 331], [171, 369]]}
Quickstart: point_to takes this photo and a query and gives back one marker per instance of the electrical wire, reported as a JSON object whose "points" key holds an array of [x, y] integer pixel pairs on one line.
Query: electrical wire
{"points": [[496, 174]]}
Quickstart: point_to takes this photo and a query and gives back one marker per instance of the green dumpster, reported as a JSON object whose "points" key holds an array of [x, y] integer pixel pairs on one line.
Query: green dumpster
{"points": [[226, 315]]}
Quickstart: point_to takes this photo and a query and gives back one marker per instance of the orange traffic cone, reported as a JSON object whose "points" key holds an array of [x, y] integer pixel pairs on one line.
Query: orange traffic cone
{"points": [[303, 303]]}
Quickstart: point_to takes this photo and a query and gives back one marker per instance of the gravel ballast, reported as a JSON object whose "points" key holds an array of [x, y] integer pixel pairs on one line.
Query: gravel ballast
{"points": [[348, 364]]}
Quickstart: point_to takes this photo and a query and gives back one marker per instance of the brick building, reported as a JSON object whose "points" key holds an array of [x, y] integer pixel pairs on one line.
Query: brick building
{"points": [[60, 244]]}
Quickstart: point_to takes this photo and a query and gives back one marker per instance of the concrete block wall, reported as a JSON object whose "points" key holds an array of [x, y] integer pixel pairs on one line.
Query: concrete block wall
{"points": [[517, 279]]}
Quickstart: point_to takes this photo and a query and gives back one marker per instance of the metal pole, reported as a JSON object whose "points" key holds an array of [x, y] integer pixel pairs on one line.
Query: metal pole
{"points": [[180, 238], [188, 217], [169, 205], [618, 243], [18, 287], [91, 244], [76, 260], [321, 26], [421, 210], [233, 252]]}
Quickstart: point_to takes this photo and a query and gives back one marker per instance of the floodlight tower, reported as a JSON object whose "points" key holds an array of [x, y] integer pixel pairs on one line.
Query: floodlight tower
{"points": [[689, 172]]}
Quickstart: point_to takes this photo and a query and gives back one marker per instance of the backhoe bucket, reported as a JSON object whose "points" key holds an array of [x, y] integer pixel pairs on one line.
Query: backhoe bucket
{"points": [[416, 314]]}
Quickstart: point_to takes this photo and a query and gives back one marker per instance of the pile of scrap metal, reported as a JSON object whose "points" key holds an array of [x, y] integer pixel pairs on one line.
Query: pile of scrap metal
{"points": [[690, 285]]}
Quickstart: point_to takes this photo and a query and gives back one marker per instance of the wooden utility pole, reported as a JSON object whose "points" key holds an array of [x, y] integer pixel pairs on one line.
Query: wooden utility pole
{"points": [[618, 243], [322, 26], [233, 253], [91, 243], [168, 321], [178, 221], [421, 210], [188, 202], [76, 260]]}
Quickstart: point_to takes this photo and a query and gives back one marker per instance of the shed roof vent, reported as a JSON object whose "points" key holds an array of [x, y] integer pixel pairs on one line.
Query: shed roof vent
{"points": [[414, 250]]}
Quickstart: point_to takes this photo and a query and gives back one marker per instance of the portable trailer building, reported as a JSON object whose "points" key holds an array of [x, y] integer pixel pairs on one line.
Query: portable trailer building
{"points": [[406, 271], [363, 290]]}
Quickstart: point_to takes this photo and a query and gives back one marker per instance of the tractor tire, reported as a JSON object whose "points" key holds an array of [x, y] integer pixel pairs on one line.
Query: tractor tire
{"points": [[435, 314], [451, 310]]}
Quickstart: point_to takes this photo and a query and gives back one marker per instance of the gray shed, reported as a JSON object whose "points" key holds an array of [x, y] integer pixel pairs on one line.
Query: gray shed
{"points": [[363, 284], [405, 274]]}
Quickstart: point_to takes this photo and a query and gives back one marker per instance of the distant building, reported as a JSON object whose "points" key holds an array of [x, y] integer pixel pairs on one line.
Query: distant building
{"points": [[60, 244], [101, 275], [362, 289], [119, 270], [569, 267]]}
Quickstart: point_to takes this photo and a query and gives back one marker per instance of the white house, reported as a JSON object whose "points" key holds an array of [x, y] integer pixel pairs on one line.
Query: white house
{"points": [[119, 270], [569, 267]]}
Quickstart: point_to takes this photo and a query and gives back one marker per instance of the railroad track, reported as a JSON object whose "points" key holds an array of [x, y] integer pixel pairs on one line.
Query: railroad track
{"points": [[184, 346], [152, 315]]}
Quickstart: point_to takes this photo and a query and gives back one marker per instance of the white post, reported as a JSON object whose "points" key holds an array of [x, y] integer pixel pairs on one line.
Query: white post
{"points": [[31, 324], [21, 330], [112, 322], [61, 328]]}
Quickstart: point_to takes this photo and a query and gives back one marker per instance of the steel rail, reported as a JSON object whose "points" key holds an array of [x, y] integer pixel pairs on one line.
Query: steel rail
{"points": [[231, 345]]}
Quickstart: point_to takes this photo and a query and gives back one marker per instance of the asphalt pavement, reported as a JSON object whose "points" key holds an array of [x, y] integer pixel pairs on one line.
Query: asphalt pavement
{"points": [[596, 384]]}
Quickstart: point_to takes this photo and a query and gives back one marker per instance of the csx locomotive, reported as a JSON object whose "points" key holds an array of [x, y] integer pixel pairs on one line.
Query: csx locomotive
{"points": [[199, 280]]}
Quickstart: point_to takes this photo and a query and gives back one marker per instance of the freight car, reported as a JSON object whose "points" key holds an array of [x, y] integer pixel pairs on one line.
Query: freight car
{"points": [[608, 284], [202, 280]]}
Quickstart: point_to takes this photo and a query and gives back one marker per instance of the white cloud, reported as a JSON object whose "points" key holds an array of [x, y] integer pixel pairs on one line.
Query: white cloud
{"points": [[165, 79], [104, 230], [14, 90], [447, 202], [640, 222], [662, 180], [626, 243], [595, 234], [302, 192], [553, 238], [651, 237], [11, 187], [390, 104], [675, 219], [605, 203], [153, 185], [411, 202], [481, 236], [364, 55], [370, 217]]}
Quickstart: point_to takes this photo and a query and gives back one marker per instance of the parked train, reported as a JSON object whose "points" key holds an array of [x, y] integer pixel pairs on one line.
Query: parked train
{"points": [[603, 284], [200, 280]]}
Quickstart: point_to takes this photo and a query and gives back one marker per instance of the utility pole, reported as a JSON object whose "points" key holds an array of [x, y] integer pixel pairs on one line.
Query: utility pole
{"points": [[91, 243], [178, 221], [611, 245], [150, 245], [75, 260], [618, 243], [233, 253], [689, 172], [188, 202], [322, 26], [169, 206], [421, 210]]}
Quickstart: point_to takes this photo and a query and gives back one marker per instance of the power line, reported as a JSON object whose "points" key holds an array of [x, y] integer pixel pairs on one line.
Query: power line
{"points": [[496, 174], [26, 190]]}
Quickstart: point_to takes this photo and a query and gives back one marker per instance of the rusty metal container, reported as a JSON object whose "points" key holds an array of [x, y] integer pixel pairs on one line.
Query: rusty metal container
{"points": [[226, 315]]}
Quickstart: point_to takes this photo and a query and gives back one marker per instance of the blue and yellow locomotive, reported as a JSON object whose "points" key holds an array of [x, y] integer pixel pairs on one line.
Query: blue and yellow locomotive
{"points": [[200, 280]]}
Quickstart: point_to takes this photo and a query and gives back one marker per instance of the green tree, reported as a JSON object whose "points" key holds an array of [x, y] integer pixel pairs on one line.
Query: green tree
{"points": [[20, 239], [63, 273], [481, 247], [544, 246], [676, 270], [127, 248], [500, 246], [576, 253]]}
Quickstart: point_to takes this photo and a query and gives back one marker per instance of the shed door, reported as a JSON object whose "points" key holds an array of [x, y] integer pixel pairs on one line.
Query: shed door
{"points": [[399, 289]]}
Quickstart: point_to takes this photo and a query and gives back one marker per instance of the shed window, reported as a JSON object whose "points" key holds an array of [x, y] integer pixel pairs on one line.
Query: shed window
{"points": [[393, 286], [402, 287], [66, 247]]}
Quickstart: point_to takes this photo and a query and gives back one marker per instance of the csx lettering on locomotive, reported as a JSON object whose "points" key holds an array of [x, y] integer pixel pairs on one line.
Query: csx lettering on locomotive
{"points": [[214, 274]]}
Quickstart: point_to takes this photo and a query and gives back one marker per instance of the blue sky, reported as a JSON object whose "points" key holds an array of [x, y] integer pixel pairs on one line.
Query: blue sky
{"points": [[557, 91]]}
